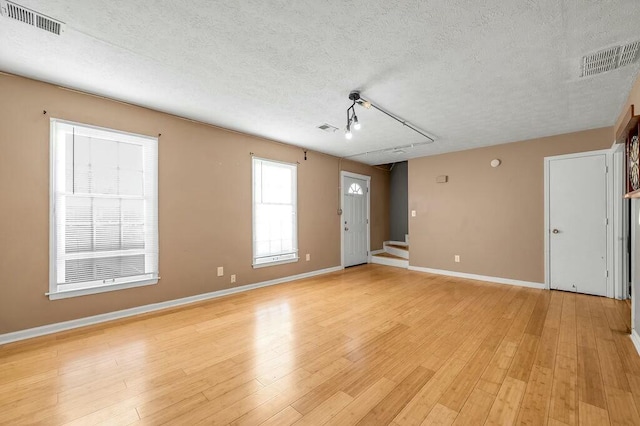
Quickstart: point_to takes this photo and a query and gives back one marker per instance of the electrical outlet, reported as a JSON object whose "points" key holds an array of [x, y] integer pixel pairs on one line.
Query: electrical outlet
{"points": [[456, 258], [220, 271], [233, 278], [413, 213], [308, 257]]}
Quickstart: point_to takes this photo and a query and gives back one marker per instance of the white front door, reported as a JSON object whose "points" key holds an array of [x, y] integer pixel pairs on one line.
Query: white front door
{"points": [[355, 221], [578, 224]]}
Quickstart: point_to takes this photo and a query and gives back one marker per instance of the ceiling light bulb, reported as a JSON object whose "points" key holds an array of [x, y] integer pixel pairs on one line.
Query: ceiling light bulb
{"points": [[366, 104], [348, 134], [356, 124]]}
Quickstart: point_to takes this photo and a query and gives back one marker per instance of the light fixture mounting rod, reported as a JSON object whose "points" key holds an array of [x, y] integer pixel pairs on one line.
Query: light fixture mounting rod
{"points": [[360, 101]]}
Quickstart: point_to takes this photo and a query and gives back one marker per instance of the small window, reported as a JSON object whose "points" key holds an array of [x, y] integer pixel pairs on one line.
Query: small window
{"points": [[104, 210], [275, 223], [355, 189]]}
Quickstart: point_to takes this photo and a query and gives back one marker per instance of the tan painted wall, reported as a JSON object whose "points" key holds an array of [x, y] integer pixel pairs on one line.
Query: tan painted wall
{"points": [[204, 204], [492, 218]]}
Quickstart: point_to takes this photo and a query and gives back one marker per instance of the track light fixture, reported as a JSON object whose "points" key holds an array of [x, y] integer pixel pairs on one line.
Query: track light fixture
{"points": [[352, 118]]}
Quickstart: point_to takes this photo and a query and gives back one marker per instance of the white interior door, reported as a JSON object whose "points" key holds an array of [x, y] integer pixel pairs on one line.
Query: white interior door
{"points": [[355, 220], [578, 224]]}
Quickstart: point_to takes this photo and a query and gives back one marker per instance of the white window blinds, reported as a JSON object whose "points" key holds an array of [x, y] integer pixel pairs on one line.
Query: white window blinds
{"points": [[274, 212], [104, 209]]}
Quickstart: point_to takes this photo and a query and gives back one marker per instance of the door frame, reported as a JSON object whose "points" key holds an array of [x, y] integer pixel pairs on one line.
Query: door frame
{"points": [[366, 178], [621, 231], [634, 267], [610, 214]]}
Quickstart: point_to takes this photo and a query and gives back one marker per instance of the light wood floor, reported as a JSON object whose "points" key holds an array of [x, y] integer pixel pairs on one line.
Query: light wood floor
{"points": [[370, 345]]}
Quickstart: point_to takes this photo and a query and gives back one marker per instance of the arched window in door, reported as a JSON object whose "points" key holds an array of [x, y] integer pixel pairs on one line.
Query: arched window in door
{"points": [[355, 189]]}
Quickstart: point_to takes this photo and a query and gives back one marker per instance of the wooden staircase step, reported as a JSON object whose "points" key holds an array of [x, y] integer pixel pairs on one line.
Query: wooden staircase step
{"points": [[389, 255]]}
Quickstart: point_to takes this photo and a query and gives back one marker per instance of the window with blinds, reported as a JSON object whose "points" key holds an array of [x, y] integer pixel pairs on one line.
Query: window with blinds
{"points": [[275, 235], [104, 209]]}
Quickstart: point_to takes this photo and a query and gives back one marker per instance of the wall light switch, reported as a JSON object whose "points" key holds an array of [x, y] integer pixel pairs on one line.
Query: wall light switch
{"points": [[220, 271], [308, 257], [456, 258], [413, 213], [233, 278]]}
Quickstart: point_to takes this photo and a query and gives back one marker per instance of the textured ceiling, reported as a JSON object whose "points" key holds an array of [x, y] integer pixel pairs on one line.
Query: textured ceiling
{"points": [[469, 73]]}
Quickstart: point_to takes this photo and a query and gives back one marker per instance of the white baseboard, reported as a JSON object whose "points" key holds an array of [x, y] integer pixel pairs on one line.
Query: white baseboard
{"points": [[96, 319], [635, 338], [496, 280], [374, 252]]}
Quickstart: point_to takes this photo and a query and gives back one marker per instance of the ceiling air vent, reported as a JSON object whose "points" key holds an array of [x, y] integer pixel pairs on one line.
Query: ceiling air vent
{"points": [[628, 53], [610, 59], [20, 13], [599, 62], [327, 128]]}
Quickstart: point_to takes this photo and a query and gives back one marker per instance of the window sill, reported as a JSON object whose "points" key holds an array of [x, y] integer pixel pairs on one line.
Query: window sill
{"points": [[100, 289], [278, 262]]}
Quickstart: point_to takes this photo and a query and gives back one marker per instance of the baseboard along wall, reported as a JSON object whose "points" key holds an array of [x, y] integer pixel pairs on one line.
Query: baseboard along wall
{"points": [[110, 316]]}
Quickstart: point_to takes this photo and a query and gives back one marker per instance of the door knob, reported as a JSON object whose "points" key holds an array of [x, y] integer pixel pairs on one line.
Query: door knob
{"points": [[555, 231]]}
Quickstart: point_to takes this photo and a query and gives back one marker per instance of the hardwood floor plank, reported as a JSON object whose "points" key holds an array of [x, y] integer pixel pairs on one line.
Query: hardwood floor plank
{"points": [[622, 407], [390, 406], [590, 384], [496, 371], [286, 417], [592, 416], [168, 414], [327, 410], [360, 406], [440, 416], [535, 403], [634, 384], [567, 339], [610, 362], [539, 315], [585, 334], [476, 409], [505, 407], [523, 359], [463, 384], [423, 402], [546, 355], [564, 398]]}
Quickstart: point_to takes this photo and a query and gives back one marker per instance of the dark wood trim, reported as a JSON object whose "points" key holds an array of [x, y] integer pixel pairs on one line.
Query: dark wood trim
{"points": [[631, 121]]}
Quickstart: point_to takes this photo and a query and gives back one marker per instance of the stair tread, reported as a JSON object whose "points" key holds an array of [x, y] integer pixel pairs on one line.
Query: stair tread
{"points": [[389, 255]]}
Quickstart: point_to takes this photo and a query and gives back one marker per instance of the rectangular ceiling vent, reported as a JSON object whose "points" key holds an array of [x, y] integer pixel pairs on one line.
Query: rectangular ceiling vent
{"points": [[628, 53], [327, 128], [610, 59], [599, 62], [20, 13]]}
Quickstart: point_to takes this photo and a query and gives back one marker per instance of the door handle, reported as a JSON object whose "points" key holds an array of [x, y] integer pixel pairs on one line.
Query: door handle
{"points": [[346, 229], [555, 231]]}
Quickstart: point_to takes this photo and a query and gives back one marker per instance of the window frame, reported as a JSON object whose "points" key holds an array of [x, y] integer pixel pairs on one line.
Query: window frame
{"points": [[277, 259], [92, 287]]}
